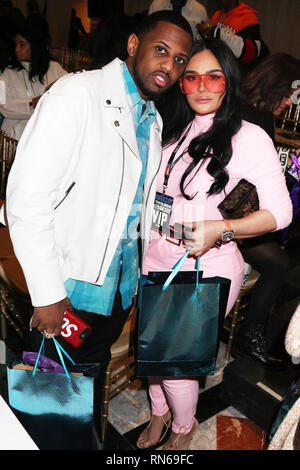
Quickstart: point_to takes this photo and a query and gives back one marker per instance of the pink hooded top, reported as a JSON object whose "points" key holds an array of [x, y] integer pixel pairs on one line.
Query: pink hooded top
{"points": [[254, 158]]}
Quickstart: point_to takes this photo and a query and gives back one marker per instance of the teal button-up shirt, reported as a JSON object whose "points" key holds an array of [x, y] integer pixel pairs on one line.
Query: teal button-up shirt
{"points": [[125, 263]]}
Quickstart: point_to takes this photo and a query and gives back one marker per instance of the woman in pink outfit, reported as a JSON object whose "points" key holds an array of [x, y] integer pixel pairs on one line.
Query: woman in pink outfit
{"points": [[207, 150]]}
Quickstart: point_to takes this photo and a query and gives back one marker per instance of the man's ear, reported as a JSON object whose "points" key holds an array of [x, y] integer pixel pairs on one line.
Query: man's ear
{"points": [[132, 45]]}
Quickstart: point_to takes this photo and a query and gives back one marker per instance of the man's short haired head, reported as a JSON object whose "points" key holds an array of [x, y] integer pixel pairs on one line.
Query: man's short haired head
{"points": [[158, 52], [168, 16]]}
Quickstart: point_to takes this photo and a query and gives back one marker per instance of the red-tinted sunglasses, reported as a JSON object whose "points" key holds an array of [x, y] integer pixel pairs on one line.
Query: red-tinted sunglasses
{"points": [[214, 82]]}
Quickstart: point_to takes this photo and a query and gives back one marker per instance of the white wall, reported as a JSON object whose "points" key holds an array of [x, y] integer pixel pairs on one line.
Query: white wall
{"points": [[279, 24]]}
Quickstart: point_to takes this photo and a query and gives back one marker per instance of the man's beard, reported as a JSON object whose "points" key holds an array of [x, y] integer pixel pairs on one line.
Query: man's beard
{"points": [[151, 94]]}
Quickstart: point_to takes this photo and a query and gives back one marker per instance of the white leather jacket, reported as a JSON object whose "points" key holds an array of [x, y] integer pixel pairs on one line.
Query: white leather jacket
{"points": [[73, 182]]}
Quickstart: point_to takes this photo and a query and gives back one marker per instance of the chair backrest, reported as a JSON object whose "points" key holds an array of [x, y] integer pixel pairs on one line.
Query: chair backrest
{"points": [[291, 121], [287, 127], [71, 60], [8, 147], [15, 311]]}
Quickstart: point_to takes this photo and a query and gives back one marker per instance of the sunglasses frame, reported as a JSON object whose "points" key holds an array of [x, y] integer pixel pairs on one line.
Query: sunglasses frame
{"points": [[200, 81]]}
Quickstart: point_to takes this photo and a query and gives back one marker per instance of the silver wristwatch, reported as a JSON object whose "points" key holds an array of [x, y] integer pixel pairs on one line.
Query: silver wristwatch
{"points": [[228, 234]]}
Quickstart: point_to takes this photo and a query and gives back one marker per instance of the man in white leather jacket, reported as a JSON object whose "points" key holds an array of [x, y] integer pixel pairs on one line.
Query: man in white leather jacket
{"points": [[76, 176]]}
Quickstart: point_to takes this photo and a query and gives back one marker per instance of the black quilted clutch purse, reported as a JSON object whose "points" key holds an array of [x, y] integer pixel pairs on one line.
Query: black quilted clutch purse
{"points": [[241, 201]]}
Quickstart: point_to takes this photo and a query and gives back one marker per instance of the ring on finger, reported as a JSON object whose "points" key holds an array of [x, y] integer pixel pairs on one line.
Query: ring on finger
{"points": [[48, 335]]}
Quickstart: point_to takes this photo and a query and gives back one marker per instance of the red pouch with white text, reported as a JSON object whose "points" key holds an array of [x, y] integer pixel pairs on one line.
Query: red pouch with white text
{"points": [[74, 330]]}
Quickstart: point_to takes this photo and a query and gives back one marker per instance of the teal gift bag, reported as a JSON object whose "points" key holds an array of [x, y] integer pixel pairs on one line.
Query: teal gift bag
{"points": [[180, 316], [60, 411]]}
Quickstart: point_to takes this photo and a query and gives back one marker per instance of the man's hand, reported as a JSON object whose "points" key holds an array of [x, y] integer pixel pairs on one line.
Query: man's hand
{"points": [[50, 317]]}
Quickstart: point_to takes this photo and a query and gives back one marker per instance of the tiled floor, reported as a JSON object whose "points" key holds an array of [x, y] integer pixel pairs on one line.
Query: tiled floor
{"points": [[227, 430], [221, 427], [235, 433]]}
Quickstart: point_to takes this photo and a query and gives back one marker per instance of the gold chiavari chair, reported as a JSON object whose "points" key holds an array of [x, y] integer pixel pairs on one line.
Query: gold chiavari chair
{"points": [[10, 312], [83, 62], [2, 164], [287, 127], [8, 147], [71, 60], [14, 297], [291, 119], [120, 372]]}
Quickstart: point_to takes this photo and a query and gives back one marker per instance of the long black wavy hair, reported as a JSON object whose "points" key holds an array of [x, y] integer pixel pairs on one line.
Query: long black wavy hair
{"points": [[215, 144], [36, 31]]}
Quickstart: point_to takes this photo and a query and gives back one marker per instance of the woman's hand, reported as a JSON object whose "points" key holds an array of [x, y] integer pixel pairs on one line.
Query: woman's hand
{"points": [[207, 232], [204, 236]]}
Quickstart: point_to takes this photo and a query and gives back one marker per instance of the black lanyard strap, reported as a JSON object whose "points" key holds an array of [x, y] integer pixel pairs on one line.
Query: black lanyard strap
{"points": [[172, 162]]}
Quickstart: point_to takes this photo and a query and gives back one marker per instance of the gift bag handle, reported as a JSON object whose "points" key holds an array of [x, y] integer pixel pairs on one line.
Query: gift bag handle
{"points": [[59, 350], [176, 268]]}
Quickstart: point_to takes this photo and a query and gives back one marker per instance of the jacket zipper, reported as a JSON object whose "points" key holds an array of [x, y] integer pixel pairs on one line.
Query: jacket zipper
{"points": [[115, 213], [151, 185], [147, 199], [66, 194]]}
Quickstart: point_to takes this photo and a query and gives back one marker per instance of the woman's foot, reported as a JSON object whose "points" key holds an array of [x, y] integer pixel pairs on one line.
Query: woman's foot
{"points": [[155, 431], [181, 441]]}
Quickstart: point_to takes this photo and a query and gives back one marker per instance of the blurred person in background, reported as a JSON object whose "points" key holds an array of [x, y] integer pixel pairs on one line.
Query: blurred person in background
{"points": [[110, 39], [267, 93], [76, 29], [192, 10], [29, 73], [237, 24]]}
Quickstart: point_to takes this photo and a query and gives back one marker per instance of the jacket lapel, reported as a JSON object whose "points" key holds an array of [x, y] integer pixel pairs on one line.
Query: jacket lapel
{"points": [[121, 119]]}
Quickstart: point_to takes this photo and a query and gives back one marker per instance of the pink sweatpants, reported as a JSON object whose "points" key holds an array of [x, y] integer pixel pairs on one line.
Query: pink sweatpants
{"points": [[179, 395]]}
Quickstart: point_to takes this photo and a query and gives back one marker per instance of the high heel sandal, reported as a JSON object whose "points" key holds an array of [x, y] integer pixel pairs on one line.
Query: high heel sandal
{"points": [[166, 423], [181, 441]]}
